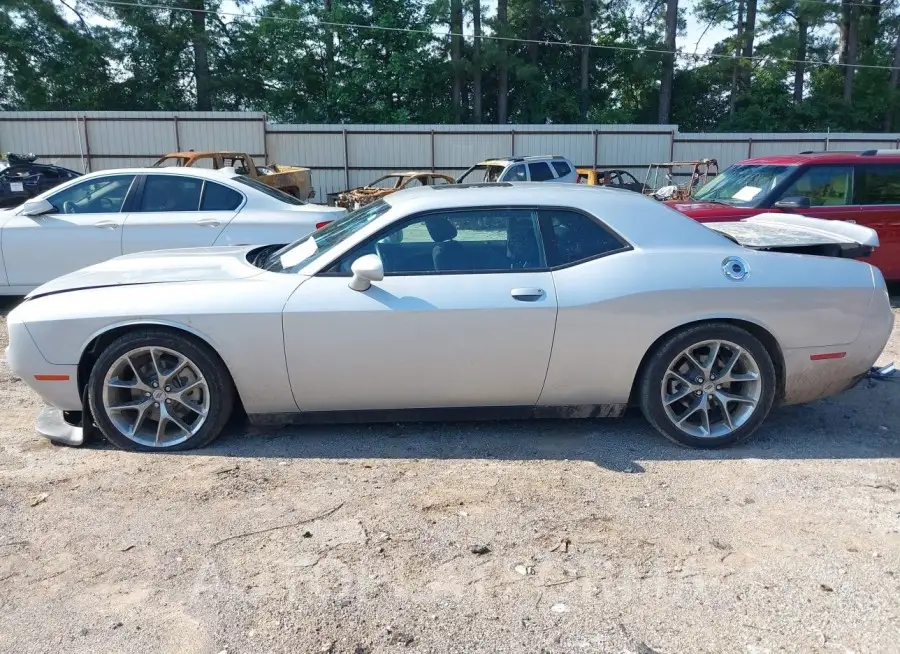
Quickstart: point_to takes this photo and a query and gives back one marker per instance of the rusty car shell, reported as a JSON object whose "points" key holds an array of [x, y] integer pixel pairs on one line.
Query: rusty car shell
{"points": [[610, 177], [385, 185], [294, 180], [668, 189]]}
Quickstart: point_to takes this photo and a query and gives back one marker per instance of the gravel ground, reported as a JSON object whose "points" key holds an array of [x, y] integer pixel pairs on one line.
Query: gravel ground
{"points": [[482, 537]]}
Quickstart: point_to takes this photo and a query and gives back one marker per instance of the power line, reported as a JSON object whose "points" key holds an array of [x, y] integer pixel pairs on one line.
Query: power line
{"points": [[493, 37]]}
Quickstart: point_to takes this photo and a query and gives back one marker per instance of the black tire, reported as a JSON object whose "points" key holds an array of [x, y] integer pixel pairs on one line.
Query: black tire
{"points": [[656, 366], [221, 388]]}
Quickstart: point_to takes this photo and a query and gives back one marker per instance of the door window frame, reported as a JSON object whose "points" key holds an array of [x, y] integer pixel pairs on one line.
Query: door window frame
{"points": [[127, 203], [331, 268], [135, 206], [780, 192]]}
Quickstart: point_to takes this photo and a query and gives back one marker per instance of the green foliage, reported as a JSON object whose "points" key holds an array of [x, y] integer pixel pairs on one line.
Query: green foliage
{"points": [[283, 57]]}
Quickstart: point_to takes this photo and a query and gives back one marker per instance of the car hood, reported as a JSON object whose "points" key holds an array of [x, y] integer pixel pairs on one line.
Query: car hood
{"points": [[159, 266], [703, 211]]}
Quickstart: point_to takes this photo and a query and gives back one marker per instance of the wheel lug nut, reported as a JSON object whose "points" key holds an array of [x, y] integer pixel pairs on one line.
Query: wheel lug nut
{"points": [[155, 385], [168, 401], [699, 380], [146, 394], [718, 387], [698, 393], [712, 376], [168, 389], [157, 404]]}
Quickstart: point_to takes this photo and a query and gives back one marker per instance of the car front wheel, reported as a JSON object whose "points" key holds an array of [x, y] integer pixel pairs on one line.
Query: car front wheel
{"points": [[156, 390], [708, 386]]}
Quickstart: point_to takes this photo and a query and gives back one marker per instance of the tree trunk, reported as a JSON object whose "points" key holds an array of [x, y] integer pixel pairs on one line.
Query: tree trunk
{"points": [[535, 104], [870, 17], [586, 35], [476, 61], [456, 28], [748, 34], [849, 45], [800, 66], [736, 71], [502, 63], [329, 62], [201, 57], [895, 81], [668, 72]]}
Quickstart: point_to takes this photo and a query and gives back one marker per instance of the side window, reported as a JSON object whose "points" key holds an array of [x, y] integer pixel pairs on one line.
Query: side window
{"points": [[474, 241], [171, 193], [95, 195], [219, 198], [825, 186], [540, 171], [878, 184], [570, 237], [516, 174], [562, 168]]}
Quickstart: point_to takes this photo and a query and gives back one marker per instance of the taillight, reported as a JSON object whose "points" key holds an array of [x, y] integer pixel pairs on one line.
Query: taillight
{"points": [[322, 224]]}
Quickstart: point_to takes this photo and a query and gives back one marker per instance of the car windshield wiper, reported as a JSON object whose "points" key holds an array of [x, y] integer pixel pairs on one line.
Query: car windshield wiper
{"points": [[722, 202]]}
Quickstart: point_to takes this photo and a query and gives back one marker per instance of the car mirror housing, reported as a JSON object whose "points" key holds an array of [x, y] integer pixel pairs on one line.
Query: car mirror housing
{"points": [[36, 208], [794, 202], [366, 269]]}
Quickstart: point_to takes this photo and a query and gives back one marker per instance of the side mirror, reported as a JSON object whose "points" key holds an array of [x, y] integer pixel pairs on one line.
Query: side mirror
{"points": [[36, 208], [366, 269], [798, 202]]}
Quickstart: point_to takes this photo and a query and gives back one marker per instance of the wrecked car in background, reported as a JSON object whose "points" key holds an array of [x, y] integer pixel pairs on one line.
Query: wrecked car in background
{"points": [[21, 178], [535, 168], [385, 185], [700, 172], [293, 180], [613, 178]]}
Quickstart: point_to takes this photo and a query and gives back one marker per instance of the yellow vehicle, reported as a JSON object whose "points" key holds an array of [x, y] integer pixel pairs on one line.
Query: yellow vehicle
{"points": [[614, 178], [293, 180]]}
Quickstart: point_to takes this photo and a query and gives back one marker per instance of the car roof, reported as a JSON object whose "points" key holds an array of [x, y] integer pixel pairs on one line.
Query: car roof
{"points": [[189, 171], [827, 157], [640, 219], [505, 161], [201, 153]]}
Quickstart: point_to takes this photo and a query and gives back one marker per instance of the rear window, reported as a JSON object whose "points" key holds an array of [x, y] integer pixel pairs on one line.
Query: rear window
{"points": [[562, 168], [219, 198], [879, 184], [268, 190]]}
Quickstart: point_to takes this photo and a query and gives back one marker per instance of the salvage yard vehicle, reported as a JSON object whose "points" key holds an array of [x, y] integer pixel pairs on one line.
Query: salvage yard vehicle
{"points": [[292, 180], [700, 172], [105, 214], [385, 185], [21, 178], [861, 187], [536, 168], [613, 178], [520, 300]]}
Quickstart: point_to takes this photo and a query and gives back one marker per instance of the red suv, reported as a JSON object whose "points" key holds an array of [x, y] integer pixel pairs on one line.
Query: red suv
{"points": [[860, 187]]}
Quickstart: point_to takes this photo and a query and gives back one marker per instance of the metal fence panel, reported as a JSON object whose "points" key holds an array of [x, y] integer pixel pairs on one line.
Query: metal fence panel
{"points": [[458, 152], [397, 151]]}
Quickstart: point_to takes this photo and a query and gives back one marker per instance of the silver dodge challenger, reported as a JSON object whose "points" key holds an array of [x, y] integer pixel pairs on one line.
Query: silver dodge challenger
{"points": [[479, 301]]}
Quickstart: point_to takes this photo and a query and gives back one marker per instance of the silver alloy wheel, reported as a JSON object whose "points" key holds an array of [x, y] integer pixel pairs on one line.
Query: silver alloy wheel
{"points": [[711, 389], [155, 396]]}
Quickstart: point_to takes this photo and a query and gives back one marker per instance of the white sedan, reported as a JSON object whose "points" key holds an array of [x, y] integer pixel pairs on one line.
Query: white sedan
{"points": [[113, 212]]}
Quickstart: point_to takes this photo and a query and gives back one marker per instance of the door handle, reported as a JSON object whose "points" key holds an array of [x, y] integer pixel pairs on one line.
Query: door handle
{"points": [[527, 294], [208, 222], [107, 224]]}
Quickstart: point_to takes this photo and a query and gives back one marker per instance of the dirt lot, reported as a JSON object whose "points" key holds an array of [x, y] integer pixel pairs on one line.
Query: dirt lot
{"points": [[593, 537]]}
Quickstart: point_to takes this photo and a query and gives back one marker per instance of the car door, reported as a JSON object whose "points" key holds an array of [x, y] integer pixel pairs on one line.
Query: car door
{"points": [[878, 195], [516, 173], [539, 171], [464, 316], [84, 228], [178, 211]]}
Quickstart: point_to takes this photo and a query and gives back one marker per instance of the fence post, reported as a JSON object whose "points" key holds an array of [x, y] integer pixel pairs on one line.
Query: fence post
{"points": [[346, 162], [596, 145], [512, 143], [177, 135], [672, 145], [87, 143], [432, 150], [265, 131], [750, 147]]}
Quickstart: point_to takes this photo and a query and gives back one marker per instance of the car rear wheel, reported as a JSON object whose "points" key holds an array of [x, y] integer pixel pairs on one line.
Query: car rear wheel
{"points": [[708, 386], [156, 390]]}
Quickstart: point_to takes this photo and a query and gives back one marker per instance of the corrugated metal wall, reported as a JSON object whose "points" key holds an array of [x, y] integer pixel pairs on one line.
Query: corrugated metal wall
{"points": [[352, 155]]}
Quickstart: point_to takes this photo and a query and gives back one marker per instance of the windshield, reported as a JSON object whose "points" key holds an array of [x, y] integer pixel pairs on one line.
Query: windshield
{"points": [[268, 190], [296, 255], [742, 185], [480, 174]]}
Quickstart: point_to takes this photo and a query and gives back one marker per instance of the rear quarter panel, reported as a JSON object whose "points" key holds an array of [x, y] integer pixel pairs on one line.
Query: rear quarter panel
{"points": [[612, 310], [256, 227]]}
